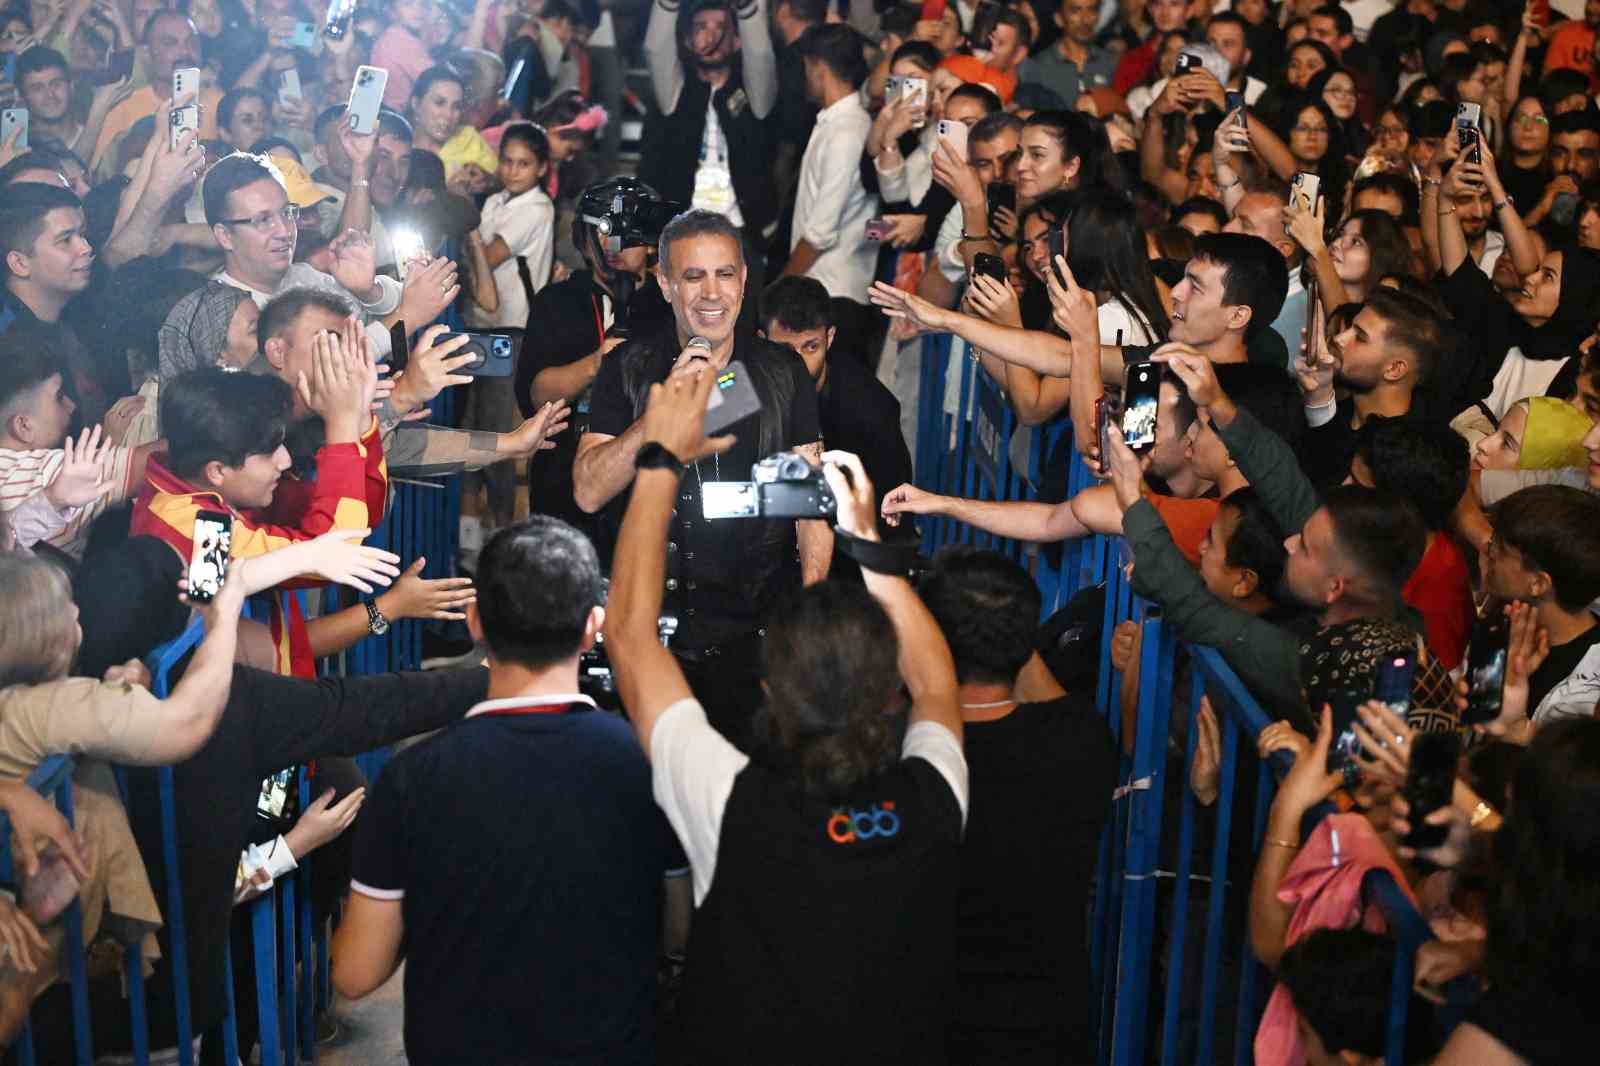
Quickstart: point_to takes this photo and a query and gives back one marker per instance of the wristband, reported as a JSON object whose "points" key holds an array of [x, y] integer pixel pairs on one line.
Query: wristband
{"points": [[965, 237], [1503, 204], [655, 456], [896, 560]]}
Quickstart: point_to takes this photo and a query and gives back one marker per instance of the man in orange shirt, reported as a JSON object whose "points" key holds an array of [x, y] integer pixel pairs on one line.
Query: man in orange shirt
{"points": [[994, 62], [170, 43], [1572, 44]]}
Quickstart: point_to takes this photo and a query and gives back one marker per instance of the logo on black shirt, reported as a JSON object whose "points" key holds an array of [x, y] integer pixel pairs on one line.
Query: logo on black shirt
{"points": [[847, 824]]}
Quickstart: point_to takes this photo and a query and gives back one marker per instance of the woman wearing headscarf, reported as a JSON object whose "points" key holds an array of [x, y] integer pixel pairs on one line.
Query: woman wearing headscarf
{"points": [[1513, 345], [215, 325]]}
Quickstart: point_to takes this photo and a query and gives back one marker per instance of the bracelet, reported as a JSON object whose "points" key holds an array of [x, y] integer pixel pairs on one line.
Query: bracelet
{"points": [[1435, 182], [655, 456], [1273, 841], [1443, 212], [1503, 204], [969, 237], [1480, 814], [360, 183]]}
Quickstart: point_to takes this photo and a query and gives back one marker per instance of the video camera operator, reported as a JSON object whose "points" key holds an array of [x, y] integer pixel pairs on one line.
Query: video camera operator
{"points": [[574, 324], [725, 576]]}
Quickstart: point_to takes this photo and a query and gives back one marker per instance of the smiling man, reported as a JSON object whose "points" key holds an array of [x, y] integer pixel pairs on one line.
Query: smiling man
{"points": [[728, 574]]}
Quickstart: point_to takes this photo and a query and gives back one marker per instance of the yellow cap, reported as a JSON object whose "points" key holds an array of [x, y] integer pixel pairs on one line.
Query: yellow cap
{"points": [[303, 192]]}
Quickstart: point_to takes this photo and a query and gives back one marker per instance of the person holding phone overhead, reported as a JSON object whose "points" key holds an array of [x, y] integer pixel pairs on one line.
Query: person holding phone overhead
{"points": [[169, 44]]}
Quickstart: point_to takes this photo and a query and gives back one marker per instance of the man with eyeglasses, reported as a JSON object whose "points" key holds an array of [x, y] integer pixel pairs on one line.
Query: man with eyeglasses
{"points": [[249, 212]]}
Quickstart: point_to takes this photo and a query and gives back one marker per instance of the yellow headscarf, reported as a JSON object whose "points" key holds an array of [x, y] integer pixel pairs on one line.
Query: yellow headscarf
{"points": [[1554, 437]]}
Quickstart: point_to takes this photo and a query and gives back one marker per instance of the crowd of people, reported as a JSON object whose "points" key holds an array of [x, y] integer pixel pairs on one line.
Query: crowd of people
{"points": [[1313, 289]]}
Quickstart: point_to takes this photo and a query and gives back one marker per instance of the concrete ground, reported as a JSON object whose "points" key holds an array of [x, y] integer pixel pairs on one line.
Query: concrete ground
{"points": [[370, 1032]]}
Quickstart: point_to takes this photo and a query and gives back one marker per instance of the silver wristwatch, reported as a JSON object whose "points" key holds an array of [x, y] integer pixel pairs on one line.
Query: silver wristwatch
{"points": [[376, 622]]}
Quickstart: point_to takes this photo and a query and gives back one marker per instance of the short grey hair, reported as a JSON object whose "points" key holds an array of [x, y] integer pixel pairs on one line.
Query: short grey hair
{"points": [[697, 222]]}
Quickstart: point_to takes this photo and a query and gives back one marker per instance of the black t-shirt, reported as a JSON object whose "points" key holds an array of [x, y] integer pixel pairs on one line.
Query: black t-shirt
{"points": [[528, 853], [566, 323], [1562, 660], [1041, 780], [859, 415], [828, 932], [725, 575]]}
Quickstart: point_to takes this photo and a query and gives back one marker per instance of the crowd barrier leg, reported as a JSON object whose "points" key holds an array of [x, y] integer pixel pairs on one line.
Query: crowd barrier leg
{"points": [[263, 935], [230, 1024], [305, 971]]}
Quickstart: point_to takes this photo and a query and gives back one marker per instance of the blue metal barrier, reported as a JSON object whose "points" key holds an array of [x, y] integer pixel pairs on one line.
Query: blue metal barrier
{"points": [[1135, 957]]}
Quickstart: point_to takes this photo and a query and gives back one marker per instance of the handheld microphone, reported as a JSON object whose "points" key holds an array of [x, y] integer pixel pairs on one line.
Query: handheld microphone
{"points": [[699, 342]]}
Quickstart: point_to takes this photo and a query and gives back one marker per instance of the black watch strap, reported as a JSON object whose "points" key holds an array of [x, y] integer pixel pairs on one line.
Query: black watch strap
{"points": [[896, 560], [654, 456]]}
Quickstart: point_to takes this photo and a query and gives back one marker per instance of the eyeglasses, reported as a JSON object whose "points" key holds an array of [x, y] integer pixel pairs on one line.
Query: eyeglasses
{"points": [[1526, 120], [14, 36], [288, 214], [1390, 131], [1331, 91], [1311, 131]]}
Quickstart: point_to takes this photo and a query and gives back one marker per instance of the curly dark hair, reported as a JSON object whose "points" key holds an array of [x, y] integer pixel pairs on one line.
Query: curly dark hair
{"points": [[830, 661]]}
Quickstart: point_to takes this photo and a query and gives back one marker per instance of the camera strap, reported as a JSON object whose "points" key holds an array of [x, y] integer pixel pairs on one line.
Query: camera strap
{"points": [[897, 560]]}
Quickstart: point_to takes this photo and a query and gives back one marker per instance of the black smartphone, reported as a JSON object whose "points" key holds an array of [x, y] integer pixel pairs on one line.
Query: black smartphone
{"points": [[1057, 239], [992, 265], [494, 354], [1187, 63], [1001, 194], [1486, 668], [339, 16], [1395, 675], [1430, 780], [1140, 399], [209, 550], [735, 398], [118, 67], [1235, 102], [399, 347]]}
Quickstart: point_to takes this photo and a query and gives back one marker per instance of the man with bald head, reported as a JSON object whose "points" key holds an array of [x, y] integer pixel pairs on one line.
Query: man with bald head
{"points": [[169, 42], [1260, 214]]}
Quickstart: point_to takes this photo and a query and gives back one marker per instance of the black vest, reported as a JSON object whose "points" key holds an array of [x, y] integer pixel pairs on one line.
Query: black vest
{"points": [[670, 154], [828, 935]]}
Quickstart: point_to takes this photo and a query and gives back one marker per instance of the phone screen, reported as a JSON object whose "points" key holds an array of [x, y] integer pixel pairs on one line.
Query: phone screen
{"points": [[208, 559], [1430, 779], [1001, 194], [1486, 669], [1140, 400], [399, 347], [274, 798], [992, 265]]}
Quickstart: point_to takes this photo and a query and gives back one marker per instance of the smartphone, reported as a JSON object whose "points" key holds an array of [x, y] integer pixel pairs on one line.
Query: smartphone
{"points": [[304, 36], [289, 85], [954, 134], [992, 265], [1395, 676], [118, 67], [1235, 103], [878, 229], [339, 16], [1001, 194], [1057, 240], [399, 347], [408, 247], [1105, 410], [914, 91], [184, 119], [1139, 401], [495, 354], [1187, 63], [1564, 209], [274, 801], [15, 120], [1469, 117], [1486, 668], [208, 557], [733, 399], [512, 79], [366, 97], [1430, 780], [186, 84], [1304, 191]]}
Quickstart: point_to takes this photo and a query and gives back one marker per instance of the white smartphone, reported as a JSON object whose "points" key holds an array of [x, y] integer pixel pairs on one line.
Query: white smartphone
{"points": [[1303, 193], [408, 247], [289, 85], [184, 118], [209, 553], [366, 97], [14, 120], [186, 85], [914, 91], [954, 134]]}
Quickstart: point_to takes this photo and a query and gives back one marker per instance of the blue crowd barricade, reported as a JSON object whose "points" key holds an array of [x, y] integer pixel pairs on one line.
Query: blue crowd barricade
{"points": [[1177, 982], [53, 779]]}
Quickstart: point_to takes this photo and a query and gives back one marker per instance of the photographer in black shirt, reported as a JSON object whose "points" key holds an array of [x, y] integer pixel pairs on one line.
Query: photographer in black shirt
{"points": [[724, 577]]}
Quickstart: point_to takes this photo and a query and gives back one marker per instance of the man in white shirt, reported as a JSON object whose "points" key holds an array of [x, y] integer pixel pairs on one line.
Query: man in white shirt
{"points": [[832, 206], [248, 210]]}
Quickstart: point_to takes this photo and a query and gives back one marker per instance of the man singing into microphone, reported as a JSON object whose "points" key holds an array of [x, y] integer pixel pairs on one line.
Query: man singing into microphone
{"points": [[723, 577]]}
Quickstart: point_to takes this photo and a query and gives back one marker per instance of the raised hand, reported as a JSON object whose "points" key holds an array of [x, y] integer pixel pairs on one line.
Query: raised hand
{"points": [[899, 304], [323, 821], [1196, 372], [429, 289], [853, 491], [539, 432], [121, 416], [354, 266], [676, 413], [332, 389], [414, 596], [994, 300], [81, 479], [908, 499], [433, 367]]}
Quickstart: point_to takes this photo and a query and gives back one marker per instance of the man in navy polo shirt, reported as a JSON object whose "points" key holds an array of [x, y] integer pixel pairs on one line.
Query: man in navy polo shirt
{"points": [[515, 860]]}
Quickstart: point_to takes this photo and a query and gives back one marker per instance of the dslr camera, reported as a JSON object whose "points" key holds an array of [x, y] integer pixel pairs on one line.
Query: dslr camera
{"points": [[625, 213], [784, 485]]}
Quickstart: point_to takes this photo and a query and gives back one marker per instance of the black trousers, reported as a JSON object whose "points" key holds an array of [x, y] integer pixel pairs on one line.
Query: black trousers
{"points": [[727, 683]]}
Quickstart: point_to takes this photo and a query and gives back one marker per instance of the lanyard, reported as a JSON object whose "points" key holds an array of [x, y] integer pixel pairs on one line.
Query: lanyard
{"points": [[532, 706]]}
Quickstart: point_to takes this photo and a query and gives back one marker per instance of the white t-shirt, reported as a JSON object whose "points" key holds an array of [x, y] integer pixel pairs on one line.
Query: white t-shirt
{"points": [[693, 768], [527, 224], [713, 179]]}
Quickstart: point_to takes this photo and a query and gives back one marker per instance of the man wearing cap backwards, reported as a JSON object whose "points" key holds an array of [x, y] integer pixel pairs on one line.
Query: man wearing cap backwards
{"points": [[724, 576]]}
